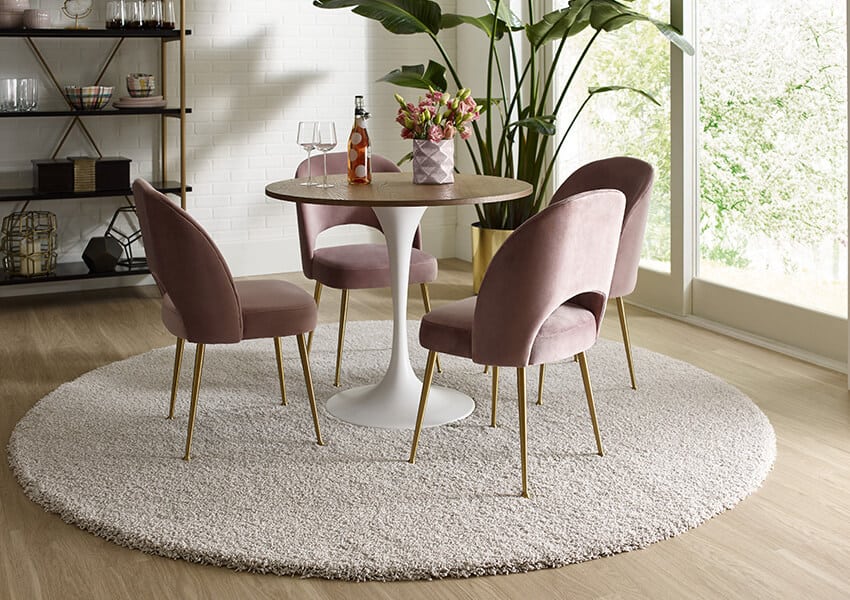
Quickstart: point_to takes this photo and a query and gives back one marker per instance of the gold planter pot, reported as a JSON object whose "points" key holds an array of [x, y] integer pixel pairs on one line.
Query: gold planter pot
{"points": [[485, 244]]}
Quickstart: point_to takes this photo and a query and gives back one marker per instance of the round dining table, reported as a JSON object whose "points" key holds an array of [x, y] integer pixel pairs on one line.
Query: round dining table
{"points": [[399, 205]]}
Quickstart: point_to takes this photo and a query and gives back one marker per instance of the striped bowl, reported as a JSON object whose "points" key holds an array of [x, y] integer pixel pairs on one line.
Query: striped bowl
{"points": [[88, 97]]}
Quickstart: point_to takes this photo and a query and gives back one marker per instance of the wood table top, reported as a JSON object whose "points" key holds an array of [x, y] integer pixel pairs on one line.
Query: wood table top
{"points": [[398, 189]]}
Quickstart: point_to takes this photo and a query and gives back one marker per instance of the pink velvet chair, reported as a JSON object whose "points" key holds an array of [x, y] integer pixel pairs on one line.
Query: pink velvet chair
{"points": [[634, 178], [542, 299], [202, 304], [352, 266]]}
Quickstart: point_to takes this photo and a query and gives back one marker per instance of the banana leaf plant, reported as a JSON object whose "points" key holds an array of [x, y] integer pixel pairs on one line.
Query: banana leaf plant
{"points": [[517, 135]]}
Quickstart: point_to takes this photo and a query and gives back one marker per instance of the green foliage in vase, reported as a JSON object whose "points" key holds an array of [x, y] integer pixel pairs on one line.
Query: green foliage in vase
{"points": [[517, 135]]}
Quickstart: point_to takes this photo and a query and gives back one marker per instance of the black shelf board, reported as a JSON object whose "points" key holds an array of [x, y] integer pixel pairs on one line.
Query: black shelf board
{"points": [[55, 32], [28, 194], [104, 112], [71, 271]]}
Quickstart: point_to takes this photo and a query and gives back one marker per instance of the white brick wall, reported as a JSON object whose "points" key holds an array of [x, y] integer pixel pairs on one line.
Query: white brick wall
{"points": [[254, 69]]}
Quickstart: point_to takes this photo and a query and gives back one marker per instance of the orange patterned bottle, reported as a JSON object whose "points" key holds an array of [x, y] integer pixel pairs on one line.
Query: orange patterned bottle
{"points": [[359, 147]]}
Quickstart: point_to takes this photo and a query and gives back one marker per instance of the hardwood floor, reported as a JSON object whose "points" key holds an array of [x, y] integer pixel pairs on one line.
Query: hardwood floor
{"points": [[791, 539]]}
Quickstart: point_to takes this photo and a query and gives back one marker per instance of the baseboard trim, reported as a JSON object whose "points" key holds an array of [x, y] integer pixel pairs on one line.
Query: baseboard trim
{"points": [[756, 340]]}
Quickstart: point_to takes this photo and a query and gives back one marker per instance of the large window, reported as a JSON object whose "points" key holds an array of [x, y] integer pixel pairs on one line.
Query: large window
{"points": [[773, 149], [623, 122], [757, 124]]}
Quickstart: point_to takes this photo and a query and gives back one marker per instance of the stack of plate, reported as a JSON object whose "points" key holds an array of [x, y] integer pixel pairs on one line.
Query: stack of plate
{"points": [[149, 102]]}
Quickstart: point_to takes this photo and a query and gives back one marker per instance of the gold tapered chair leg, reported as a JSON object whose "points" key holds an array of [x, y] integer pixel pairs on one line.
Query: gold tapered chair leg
{"points": [[624, 327], [308, 381], [426, 302], [523, 429], [317, 296], [423, 400], [495, 396], [178, 360], [486, 369], [279, 355], [193, 407], [540, 379], [585, 375], [343, 318]]}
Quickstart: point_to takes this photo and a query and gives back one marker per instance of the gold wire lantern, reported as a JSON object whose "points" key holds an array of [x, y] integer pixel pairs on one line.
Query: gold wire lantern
{"points": [[29, 243]]}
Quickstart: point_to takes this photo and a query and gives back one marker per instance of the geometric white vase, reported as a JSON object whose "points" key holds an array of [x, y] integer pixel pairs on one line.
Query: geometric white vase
{"points": [[433, 162]]}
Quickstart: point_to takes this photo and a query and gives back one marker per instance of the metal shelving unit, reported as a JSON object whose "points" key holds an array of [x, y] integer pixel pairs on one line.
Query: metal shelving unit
{"points": [[178, 187]]}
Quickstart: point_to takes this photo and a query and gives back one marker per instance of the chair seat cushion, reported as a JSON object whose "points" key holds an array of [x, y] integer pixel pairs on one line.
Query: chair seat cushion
{"points": [[567, 331], [270, 308], [273, 308], [448, 328], [366, 266]]}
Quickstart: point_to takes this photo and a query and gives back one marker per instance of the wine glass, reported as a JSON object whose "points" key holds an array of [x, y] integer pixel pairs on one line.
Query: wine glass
{"points": [[325, 141], [307, 140]]}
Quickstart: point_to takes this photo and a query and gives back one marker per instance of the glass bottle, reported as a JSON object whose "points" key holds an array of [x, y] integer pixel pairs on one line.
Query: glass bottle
{"points": [[359, 147]]}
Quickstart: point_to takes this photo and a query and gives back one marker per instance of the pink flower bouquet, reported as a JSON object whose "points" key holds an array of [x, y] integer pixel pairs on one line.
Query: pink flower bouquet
{"points": [[438, 116]]}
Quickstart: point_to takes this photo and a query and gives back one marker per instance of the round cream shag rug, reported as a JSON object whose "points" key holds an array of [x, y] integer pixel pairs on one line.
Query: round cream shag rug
{"points": [[260, 495]]}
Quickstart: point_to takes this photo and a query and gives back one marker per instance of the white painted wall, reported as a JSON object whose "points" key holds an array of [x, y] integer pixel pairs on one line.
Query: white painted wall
{"points": [[254, 69]]}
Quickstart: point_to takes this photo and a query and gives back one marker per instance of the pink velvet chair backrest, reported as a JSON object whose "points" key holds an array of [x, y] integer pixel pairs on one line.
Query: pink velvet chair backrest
{"points": [[565, 252], [634, 178], [313, 219], [188, 267]]}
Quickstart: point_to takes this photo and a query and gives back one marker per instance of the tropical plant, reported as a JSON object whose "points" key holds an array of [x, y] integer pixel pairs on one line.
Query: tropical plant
{"points": [[518, 137]]}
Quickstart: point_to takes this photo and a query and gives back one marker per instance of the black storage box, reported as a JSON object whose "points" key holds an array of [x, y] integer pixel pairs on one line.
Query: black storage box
{"points": [[53, 175], [112, 173]]}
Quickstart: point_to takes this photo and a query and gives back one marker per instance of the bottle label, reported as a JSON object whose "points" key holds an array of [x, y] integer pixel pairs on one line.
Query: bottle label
{"points": [[359, 153]]}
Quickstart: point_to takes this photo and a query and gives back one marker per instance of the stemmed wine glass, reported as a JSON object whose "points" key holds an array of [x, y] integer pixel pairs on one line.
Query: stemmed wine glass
{"points": [[325, 141], [307, 140]]}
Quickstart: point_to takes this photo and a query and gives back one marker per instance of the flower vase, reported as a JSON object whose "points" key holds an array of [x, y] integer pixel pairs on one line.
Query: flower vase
{"points": [[433, 162]]}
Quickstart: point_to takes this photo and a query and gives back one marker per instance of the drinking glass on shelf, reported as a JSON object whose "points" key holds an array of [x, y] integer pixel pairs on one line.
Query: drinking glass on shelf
{"points": [[153, 14], [134, 14], [169, 18], [115, 15], [307, 140], [8, 95], [325, 141], [27, 94]]}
